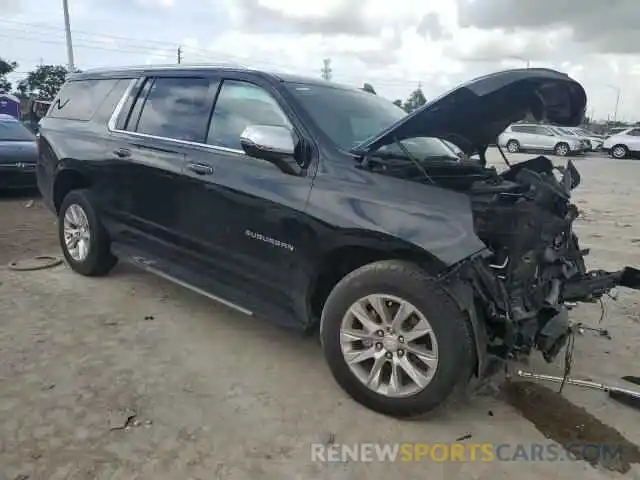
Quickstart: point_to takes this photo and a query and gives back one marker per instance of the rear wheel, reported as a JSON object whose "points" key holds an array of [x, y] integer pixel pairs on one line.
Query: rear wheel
{"points": [[619, 151], [513, 146], [561, 149], [84, 240], [395, 341]]}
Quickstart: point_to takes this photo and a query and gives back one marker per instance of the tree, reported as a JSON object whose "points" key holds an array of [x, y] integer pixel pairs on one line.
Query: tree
{"points": [[415, 100], [367, 87], [43, 82], [6, 67], [398, 103]]}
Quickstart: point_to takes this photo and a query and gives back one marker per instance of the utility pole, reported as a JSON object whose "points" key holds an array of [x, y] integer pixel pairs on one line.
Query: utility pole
{"points": [[67, 26], [179, 54], [618, 92], [326, 69]]}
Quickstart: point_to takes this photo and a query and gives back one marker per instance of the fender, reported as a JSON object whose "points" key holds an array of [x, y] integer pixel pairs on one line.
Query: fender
{"points": [[348, 202]]}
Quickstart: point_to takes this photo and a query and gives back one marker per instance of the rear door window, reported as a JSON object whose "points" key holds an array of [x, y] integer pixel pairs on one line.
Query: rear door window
{"points": [[176, 108], [80, 99]]}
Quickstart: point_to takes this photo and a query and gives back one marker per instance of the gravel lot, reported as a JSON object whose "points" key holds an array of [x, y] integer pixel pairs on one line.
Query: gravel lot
{"points": [[211, 394]]}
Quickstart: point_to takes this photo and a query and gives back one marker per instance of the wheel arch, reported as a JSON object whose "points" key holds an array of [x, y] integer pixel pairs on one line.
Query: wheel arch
{"points": [[335, 263], [66, 180]]}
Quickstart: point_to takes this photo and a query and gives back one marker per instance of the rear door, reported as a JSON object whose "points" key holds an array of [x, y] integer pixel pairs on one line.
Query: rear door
{"points": [[169, 114]]}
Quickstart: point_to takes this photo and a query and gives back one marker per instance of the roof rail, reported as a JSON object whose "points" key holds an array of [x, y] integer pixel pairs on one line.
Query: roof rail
{"points": [[170, 66]]}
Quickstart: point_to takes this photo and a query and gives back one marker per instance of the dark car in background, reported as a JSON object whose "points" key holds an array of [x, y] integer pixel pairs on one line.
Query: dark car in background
{"points": [[18, 155]]}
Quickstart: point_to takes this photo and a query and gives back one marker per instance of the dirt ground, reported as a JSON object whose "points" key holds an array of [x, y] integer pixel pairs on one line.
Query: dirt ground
{"points": [[131, 377], [27, 227]]}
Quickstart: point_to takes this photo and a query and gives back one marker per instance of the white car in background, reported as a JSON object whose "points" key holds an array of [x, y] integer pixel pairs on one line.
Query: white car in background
{"points": [[624, 144], [520, 137], [572, 132], [596, 140]]}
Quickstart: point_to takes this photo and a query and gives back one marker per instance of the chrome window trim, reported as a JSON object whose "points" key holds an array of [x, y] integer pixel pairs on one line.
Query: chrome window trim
{"points": [[111, 126]]}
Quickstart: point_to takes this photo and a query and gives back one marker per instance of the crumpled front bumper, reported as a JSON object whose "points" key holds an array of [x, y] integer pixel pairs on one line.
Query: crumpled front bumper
{"points": [[596, 283]]}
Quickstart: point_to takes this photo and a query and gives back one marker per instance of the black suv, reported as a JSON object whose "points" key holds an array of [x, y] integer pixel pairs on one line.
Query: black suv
{"points": [[327, 208]]}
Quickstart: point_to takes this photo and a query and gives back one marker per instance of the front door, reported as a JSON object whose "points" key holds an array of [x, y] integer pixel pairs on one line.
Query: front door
{"points": [[243, 211], [546, 138]]}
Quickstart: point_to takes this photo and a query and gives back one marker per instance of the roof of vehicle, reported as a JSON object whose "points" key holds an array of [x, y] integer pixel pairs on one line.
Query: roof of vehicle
{"points": [[194, 68]]}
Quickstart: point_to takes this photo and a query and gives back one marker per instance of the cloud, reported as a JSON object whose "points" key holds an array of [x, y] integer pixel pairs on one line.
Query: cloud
{"points": [[394, 46], [601, 27], [430, 26], [9, 6]]}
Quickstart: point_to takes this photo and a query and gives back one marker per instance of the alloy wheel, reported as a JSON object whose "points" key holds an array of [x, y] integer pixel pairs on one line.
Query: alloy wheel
{"points": [[619, 152], [389, 345], [77, 234]]}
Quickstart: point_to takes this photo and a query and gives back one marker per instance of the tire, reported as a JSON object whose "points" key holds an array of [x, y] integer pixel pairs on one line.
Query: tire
{"points": [[455, 350], [561, 149], [97, 259], [513, 146], [619, 152]]}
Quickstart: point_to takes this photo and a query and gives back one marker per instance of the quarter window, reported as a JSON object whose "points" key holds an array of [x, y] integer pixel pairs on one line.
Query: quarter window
{"points": [[177, 108], [80, 99], [239, 105]]}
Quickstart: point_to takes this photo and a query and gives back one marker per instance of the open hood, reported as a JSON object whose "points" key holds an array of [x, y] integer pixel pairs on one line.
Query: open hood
{"points": [[473, 114]]}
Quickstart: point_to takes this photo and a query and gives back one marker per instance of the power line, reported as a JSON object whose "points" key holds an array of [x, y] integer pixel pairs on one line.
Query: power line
{"points": [[136, 45], [166, 52]]}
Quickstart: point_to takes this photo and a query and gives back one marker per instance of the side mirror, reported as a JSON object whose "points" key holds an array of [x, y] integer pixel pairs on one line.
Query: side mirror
{"points": [[272, 143]]}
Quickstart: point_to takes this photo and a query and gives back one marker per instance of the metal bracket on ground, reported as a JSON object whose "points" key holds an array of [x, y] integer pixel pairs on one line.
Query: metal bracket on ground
{"points": [[40, 262]]}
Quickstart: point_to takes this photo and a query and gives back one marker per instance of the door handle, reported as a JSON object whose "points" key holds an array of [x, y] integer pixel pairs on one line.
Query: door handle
{"points": [[122, 152], [200, 168]]}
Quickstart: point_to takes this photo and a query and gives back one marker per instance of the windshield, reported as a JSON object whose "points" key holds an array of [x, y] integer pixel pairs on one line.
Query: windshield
{"points": [[13, 131], [349, 117], [564, 131]]}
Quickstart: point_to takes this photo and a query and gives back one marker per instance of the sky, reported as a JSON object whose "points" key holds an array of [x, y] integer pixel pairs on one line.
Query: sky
{"points": [[394, 45]]}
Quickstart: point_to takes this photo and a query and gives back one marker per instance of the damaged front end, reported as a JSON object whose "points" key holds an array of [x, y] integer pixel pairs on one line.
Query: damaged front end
{"points": [[525, 217]]}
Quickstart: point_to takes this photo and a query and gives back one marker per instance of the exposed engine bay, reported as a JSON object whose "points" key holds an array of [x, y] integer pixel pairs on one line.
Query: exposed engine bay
{"points": [[536, 269], [525, 217], [517, 292]]}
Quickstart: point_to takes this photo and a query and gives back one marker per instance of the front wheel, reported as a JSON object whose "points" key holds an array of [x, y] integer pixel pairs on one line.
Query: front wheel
{"points": [[561, 149], [84, 240], [513, 146], [395, 341], [619, 152]]}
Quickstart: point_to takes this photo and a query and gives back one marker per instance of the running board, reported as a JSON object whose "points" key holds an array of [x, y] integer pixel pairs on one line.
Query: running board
{"points": [[153, 266]]}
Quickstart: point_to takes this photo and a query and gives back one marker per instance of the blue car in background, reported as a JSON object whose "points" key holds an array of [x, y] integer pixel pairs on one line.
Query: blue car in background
{"points": [[18, 155]]}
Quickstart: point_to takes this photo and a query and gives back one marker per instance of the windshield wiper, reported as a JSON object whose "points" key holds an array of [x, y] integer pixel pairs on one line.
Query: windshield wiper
{"points": [[415, 161], [402, 156]]}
